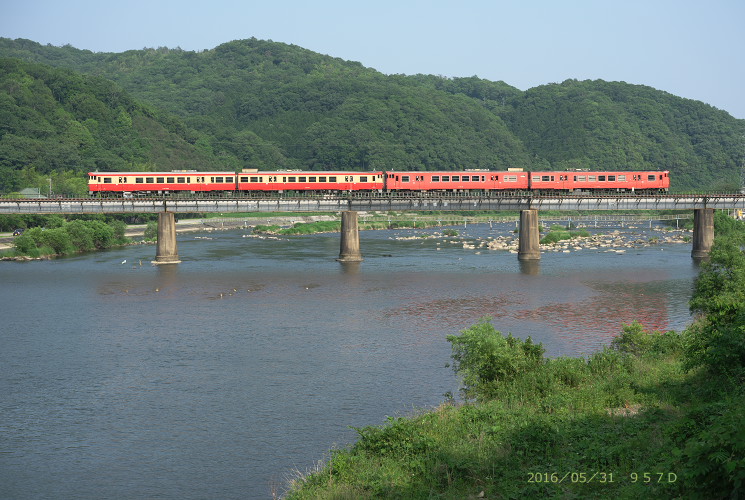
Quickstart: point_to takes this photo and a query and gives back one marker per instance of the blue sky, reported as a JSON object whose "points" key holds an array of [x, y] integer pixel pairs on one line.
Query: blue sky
{"points": [[693, 49]]}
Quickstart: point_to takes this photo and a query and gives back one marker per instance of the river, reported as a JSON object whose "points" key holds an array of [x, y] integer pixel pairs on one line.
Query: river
{"points": [[228, 374]]}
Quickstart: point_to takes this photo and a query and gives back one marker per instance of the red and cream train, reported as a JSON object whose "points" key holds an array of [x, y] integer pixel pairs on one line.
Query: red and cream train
{"points": [[129, 184]]}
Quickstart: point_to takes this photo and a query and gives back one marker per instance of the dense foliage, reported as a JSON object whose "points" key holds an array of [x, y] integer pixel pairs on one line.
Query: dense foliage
{"points": [[267, 105], [58, 125], [717, 338], [61, 237]]}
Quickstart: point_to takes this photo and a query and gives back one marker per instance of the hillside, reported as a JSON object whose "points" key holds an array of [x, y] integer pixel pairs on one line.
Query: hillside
{"points": [[268, 105], [58, 124]]}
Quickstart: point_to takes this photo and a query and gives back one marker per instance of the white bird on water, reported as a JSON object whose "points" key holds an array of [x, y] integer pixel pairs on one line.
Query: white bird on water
{"points": [[124, 261]]}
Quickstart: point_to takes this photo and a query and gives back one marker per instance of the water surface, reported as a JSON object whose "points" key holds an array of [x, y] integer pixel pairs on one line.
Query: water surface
{"points": [[220, 376]]}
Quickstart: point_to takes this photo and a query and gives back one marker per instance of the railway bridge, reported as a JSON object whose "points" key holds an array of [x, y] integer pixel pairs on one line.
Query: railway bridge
{"points": [[349, 205]]}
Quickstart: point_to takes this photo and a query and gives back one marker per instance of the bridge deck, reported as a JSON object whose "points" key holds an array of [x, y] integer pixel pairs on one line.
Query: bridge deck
{"points": [[371, 203]]}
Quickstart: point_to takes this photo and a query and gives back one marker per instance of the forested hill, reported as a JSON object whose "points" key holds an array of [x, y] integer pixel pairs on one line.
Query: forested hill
{"points": [[268, 105], [59, 124]]}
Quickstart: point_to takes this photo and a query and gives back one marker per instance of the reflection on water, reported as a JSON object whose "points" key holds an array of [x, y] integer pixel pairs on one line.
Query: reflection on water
{"points": [[532, 267], [215, 377]]}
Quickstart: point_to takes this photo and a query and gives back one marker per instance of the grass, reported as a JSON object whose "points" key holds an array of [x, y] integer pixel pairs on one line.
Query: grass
{"points": [[559, 233], [612, 425]]}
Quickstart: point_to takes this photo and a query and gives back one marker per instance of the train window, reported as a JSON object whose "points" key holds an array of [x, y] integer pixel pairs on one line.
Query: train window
{"points": [[332, 179], [255, 179], [650, 177], [405, 178], [363, 178], [302, 179], [292, 179], [312, 179], [510, 178], [475, 178], [161, 180], [456, 178], [591, 178], [171, 180], [611, 178], [445, 178], [601, 178], [545, 178], [435, 178], [536, 178], [321, 179], [181, 180], [218, 179], [107, 180], [228, 179], [622, 178], [139, 180], [149, 180], [582, 178]]}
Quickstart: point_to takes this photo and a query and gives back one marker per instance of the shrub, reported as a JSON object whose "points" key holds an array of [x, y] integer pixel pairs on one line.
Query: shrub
{"points": [[637, 341], [713, 461], [485, 358], [57, 239], [81, 235], [24, 244]]}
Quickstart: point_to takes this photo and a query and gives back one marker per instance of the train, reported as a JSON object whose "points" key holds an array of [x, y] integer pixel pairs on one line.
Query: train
{"points": [[249, 181]]}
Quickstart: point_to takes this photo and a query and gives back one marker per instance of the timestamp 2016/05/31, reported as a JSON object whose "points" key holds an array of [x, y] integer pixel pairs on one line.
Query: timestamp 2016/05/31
{"points": [[601, 477]]}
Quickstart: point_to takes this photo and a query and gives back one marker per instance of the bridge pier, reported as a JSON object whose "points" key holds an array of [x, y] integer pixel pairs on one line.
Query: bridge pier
{"points": [[529, 243], [350, 238], [703, 232], [167, 251]]}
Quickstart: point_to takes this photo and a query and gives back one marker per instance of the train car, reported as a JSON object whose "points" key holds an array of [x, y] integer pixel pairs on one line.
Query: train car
{"points": [[128, 184], [453, 181], [295, 180], [158, 183], [595, 181]]}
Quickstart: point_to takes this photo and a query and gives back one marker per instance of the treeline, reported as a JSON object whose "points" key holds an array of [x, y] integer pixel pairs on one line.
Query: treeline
{"points": [[267, 105], [655, 415]]}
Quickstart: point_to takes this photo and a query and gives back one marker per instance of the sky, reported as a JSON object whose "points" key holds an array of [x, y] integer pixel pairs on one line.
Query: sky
{"points": [[692, 49]]}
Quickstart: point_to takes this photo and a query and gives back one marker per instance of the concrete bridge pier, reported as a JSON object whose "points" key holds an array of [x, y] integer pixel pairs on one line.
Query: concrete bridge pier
{"points": [[703, 232], [350, 238], [529, 246], [167, 251]]}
